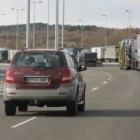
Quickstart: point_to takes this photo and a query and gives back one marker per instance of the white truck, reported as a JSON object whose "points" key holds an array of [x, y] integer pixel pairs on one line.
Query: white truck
{"points": [[138, 51], [100, 53], [111, 53]]}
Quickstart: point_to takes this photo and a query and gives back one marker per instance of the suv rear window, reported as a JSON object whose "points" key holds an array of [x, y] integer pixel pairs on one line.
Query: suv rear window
{"points": [[38, 59]]}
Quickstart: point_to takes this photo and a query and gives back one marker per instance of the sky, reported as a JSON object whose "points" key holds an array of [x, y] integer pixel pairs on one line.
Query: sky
{"points": [[90, 11]]}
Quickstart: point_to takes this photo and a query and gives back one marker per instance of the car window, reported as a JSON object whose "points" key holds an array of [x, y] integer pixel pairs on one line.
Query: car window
{"points": [[47, 60], [73, 62]]}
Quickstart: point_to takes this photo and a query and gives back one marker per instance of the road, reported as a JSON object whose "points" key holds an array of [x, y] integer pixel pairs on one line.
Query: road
{"points": [[112, 112]]}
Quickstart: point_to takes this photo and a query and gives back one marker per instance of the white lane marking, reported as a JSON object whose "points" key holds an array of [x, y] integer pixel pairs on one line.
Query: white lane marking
{"points": [[109, 79], [105, 82], [95, 88], [22, 123]]}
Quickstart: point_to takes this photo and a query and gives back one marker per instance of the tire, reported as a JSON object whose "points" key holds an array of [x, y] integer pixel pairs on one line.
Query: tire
{"points": [[81, 107], [10, 109], [72, 108], [22, 107]]}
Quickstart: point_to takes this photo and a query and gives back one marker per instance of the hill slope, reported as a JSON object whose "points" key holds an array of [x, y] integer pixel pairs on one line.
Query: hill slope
{"points": [[93, 36]]}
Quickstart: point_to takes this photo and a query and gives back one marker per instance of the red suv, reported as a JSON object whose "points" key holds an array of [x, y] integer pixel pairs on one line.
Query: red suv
{"points": [[44, 77]]}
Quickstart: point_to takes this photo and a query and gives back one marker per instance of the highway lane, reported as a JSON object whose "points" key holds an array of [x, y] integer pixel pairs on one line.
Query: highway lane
{"points": [[112, 112]]}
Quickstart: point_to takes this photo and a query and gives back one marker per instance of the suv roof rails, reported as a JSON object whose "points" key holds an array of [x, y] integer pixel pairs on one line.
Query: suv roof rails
{"points": [[23, 49], [59, 49]]}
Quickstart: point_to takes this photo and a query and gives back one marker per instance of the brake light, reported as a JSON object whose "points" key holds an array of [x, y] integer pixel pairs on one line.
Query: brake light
{"points": [[9, 77], [67, 77]]}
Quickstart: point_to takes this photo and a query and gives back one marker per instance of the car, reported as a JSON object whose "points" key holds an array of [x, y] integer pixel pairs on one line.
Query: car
{"points": [[29, 81]]}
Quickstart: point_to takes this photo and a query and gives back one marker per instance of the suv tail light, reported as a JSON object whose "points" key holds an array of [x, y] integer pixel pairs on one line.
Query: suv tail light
{"points": [[9, 77], [67, 76]]}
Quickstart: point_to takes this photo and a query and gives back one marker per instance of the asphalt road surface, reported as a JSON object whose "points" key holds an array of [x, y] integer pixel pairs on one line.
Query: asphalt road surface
{"points": [[112, 112]]}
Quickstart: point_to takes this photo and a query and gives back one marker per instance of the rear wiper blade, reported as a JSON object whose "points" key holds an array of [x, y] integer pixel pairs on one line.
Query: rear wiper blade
{"points": [[38, 66], [41, 67]]}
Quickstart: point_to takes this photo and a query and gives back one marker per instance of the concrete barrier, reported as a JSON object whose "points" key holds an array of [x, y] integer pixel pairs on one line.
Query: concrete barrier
{"points": [[110, 64]]}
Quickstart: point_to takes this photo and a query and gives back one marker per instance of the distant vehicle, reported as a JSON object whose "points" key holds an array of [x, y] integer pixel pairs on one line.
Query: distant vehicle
{"points": [[100, 53], [30, 81], [75, 52], [3, 55], [128, 56], [88, 57], [138, 52], [111, 53], [6, 55]]}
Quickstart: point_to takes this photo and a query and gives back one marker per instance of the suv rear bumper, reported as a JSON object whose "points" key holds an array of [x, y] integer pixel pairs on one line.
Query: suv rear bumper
{"points": [[63, 93]]}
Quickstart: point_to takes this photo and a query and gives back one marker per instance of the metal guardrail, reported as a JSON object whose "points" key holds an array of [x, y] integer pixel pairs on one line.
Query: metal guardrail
{"points": [[4, 66], [2, 75]]}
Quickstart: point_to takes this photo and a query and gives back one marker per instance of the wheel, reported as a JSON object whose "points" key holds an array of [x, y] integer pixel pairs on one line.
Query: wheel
{"points": [[72, 108], [23, 107], [81, 107], [10, 108]]}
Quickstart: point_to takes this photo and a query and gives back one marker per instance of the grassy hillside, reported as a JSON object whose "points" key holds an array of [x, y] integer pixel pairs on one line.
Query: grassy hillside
{"points": [[93, 36]]}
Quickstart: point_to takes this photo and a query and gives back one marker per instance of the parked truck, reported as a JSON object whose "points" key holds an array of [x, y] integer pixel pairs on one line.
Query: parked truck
{"points": [[100, 53], [3, 55], [91, 59], [128, 54], [88, 57], [111, 53], [138, 52]]}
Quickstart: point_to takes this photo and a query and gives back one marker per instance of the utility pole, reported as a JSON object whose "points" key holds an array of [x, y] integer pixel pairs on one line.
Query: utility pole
{"points": [[48, 24], [82, 33], [129, 12], [34, 2], [28, 26], [62, 44], [57, 26], [17, 32], [104, 15]]}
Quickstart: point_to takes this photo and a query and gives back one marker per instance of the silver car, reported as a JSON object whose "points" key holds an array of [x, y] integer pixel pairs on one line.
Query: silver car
{"points": [[44, 77]]}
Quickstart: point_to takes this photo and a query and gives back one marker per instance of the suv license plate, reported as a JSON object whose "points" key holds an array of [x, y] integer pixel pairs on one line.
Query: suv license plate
{"points": [[37, 80]]}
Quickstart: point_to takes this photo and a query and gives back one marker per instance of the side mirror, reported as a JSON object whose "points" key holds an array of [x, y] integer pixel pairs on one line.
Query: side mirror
{"points": [[82, 67]]}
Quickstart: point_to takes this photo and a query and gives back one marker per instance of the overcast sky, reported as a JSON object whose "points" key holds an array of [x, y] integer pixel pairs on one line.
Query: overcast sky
{"points": [[90, 11]]}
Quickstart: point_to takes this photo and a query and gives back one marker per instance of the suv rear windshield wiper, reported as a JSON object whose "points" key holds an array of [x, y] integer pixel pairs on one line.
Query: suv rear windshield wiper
{"points": [[41, 67]]}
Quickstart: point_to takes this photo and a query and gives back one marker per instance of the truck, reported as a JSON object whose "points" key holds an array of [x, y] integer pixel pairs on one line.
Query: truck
{"points": [[138, 52], [3, 55], [100, 53], [88, 57], [91, 59], [11, 53], [111, 53], [128, 54]]}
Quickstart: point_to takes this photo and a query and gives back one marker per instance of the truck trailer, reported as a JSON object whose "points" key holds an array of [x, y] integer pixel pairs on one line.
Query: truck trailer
{"points": [[100, 53], [111, 53], [128, 56]]}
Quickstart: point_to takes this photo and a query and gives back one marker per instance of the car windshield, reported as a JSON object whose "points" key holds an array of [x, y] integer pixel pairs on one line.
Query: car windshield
{"points": [[38, 60]]}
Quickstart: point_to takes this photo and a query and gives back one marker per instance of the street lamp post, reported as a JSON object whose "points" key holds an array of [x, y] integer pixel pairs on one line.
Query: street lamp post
{"points": [[28, 26], [129, 12], [57, 26], [63, 24], [104, 15], [17, 41], [48, 24], [82, 33], [34, 2]]}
